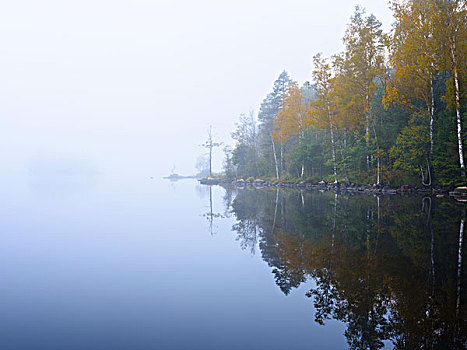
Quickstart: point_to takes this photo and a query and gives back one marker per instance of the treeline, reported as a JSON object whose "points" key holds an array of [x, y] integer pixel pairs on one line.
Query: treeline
{"points": [[388, 109]]}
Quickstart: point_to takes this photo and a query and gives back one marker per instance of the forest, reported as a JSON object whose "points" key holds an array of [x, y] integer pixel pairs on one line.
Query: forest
{"points": [[389, 109]]}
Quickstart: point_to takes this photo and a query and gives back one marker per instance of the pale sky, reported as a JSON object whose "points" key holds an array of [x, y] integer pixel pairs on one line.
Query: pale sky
{"points": [[135, 84]]}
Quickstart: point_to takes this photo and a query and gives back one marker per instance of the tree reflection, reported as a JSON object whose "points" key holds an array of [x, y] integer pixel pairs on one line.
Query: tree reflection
{"points": [[210, 215], [390, 268]]}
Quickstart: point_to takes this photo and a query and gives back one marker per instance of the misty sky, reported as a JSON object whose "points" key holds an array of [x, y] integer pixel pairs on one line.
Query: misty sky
{"points": [[135, 84]]}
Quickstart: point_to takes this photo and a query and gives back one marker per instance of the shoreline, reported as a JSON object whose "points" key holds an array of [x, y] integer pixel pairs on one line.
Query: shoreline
{"points": [[459, 193]]}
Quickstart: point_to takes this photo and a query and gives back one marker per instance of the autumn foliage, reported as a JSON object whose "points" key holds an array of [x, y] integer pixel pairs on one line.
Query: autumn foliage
{"points": [[390, 102]]}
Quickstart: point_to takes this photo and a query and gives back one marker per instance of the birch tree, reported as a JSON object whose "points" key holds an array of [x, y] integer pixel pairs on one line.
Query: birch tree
{"points": [[322, 76], [364, 50], [452, 34], [413, 56], [292, 118], [267, 113]]}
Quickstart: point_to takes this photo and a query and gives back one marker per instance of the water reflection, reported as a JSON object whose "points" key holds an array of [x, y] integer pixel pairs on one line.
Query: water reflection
{"points": [[210, 215], [56, 178], [390, 268]]}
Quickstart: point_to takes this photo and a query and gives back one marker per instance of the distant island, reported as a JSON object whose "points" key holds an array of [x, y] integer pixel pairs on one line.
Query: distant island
{"points": [[176, 177]]}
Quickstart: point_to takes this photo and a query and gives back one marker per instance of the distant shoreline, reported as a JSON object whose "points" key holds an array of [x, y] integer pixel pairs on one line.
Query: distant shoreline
{"points": [[181, 177]]}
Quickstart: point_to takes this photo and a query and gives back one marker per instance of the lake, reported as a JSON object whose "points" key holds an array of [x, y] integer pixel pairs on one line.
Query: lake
{"points": [[96, 261]]}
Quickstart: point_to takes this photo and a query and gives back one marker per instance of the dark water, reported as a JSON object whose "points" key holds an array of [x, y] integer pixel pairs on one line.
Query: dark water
{"points": [[92, 261], [391, 269]]}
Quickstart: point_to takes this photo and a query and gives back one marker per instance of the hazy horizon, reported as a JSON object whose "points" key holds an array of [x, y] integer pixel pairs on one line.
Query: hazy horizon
{"points": [[135, 85]]}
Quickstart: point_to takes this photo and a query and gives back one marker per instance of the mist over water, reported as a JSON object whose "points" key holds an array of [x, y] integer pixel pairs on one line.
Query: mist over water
{"points": [[94, 259], [97, 260]]}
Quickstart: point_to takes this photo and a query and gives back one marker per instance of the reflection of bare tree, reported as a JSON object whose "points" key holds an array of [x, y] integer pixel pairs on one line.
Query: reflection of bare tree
{"points": [[202, 191], [210, 215]]}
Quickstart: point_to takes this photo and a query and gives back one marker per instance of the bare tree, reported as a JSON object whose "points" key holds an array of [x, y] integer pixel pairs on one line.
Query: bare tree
{"points": [[210, 144]]}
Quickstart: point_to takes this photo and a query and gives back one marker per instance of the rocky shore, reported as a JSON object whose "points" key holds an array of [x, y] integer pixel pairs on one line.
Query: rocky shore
{"points": [[437, 190]]}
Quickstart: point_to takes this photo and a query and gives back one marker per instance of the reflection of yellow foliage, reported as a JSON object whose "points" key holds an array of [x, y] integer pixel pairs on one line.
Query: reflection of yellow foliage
{"points": [[292, 250]]}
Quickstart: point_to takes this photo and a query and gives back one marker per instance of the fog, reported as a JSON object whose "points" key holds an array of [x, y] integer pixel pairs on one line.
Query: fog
{"points": [[133, 85]]}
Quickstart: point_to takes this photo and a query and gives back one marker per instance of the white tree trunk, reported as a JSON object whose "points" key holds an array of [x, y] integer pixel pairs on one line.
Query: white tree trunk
{"points": [[458, 110], [377, 174], [275, 158]]}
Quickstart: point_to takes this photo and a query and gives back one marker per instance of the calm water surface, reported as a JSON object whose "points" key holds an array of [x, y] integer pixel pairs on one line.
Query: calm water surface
{"points": [[96, 261]]}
